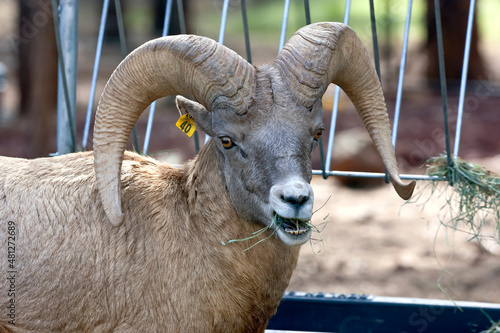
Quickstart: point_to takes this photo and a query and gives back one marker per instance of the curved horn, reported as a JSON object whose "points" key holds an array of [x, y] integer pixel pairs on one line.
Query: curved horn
{"points": [[324, 53], [184, 65]]}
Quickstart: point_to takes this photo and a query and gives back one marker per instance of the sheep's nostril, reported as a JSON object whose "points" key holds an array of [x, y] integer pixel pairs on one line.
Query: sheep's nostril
{"points": [[296, 200]]}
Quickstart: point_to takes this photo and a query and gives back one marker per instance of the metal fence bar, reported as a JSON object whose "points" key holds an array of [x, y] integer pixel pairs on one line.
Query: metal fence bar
{"points": [[123, 49], [373, 23], [402, 66], [223, 21], [95, 72], [149, 128], [361, 174], [121, 28], [152, 108], [307, 12], [463, 83], [335, 108], [376, 56], [326, 161], [246, 31], [284, 24], [182, 21], [442, 80], [64, 16]]}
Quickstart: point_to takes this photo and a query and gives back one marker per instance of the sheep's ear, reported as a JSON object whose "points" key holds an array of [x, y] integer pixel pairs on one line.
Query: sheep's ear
{"points": [[202, 117]]}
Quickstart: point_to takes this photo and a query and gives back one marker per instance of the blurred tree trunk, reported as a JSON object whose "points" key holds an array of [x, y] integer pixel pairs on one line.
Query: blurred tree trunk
{"points": [[38, 74], [454, 16]]}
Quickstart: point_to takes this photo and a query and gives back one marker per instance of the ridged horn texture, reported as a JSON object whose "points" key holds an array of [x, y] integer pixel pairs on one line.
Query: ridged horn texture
{"points": [[185, 65], [324, 53]]}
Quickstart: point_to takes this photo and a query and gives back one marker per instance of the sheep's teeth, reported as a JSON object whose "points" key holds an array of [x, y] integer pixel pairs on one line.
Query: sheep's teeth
{"points": [[295, 231], [291, 226]]}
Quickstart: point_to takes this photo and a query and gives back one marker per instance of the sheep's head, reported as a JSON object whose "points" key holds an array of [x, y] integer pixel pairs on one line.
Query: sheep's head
{"points": [[266, 121], [266, 153]]}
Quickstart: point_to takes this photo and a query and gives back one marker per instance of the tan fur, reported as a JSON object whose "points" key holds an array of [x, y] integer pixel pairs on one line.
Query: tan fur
{"points": [[164, 270]]}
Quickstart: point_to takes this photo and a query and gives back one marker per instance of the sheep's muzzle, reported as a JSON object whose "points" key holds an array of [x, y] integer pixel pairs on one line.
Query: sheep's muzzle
{"points": [[292, 231], [292, 226]]}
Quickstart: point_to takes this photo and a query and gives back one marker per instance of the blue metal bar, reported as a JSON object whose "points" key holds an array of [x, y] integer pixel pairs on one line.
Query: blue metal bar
{"points": [[375, 39], [123, 48], [335, 108], [246, 31], [182, 21], [152, 108], [376, 56], [442, 80], [360, 174], [65, 14], [121, 29], [463, 83], [168, 16], [223, 21], [284, 24], [149, 128], [307, 11], [397, 109], [95, 72]]}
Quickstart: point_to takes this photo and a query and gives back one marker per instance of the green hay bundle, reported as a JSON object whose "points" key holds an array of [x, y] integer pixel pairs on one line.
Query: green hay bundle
{"points": [[475, 196]]}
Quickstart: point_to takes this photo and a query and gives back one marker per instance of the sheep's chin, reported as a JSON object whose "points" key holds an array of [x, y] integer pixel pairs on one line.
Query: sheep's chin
{"points": [[292, 232]]}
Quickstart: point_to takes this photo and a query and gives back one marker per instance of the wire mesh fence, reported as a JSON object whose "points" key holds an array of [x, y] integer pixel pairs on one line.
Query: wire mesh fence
{"points": [[64, 13]]}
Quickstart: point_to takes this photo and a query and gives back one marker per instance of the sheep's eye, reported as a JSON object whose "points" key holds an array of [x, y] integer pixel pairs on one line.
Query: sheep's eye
{"points": [[318, 134], [227, 143]]}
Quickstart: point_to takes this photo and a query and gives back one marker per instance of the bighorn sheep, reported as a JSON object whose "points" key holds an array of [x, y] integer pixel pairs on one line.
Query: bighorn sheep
{"points": [[160, 265]]}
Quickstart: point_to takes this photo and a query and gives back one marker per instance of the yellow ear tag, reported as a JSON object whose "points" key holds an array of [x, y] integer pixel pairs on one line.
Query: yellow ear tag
{"points": [[186, 124]]}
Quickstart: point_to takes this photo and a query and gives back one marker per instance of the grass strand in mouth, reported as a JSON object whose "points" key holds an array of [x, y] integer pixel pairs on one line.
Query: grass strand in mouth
{"points": [[256, 234], [275, 224]]}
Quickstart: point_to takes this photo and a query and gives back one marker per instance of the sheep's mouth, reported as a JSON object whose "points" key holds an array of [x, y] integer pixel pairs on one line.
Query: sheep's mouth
{"points": [[292, 231], [292, 226]]}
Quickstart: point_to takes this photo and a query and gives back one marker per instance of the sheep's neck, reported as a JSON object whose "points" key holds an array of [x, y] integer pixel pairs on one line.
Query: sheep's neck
{"points": [[241, 279]]}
